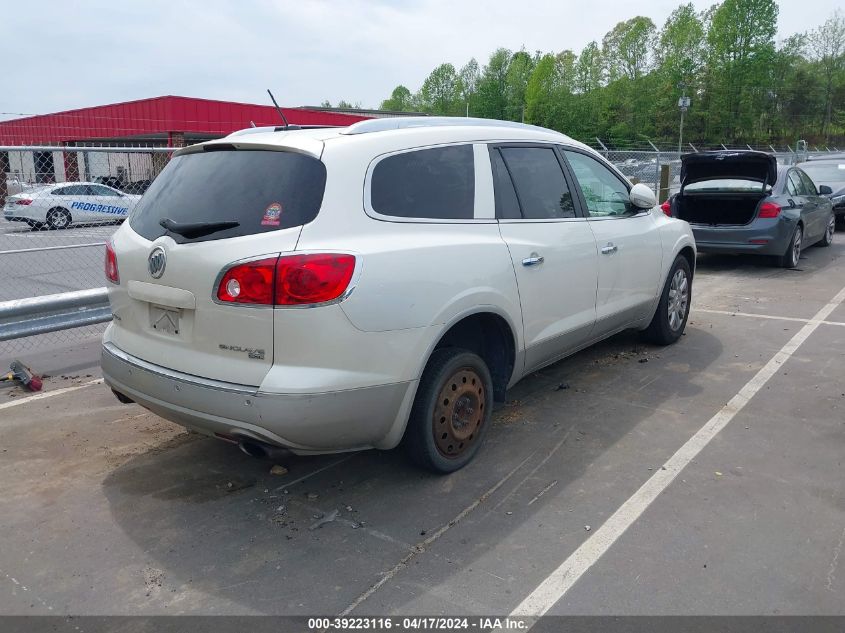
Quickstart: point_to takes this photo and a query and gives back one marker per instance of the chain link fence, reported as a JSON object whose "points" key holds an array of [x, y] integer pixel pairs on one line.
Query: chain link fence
{"points": [[60, 206]]}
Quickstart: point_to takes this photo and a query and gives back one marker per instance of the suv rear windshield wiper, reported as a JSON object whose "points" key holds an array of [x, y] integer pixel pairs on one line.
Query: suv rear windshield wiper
{"points": [[196, 229]]}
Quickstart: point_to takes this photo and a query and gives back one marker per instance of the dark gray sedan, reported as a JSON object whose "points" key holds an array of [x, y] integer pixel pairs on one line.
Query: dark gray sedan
{"points": [[743, 202]]}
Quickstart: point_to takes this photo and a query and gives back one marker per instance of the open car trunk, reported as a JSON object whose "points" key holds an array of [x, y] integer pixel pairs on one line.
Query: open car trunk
{"points": [[718, 208]]}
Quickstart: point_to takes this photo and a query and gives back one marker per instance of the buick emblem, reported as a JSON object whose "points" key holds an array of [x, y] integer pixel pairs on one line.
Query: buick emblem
{"points": [[156, 262]]}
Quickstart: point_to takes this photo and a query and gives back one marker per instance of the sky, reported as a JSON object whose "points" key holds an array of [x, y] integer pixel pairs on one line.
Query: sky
{"points": [[60, 55]]}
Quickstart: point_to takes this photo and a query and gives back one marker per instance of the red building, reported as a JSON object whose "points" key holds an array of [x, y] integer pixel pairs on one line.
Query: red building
{"points": [[160, 121]]}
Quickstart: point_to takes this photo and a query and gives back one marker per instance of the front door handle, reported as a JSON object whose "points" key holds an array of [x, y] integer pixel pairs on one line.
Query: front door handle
{"points": [[609, 249], [533, 260]]}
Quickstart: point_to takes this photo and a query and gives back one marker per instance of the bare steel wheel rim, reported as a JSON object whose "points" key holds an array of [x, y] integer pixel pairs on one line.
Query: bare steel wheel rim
{"points": [[459, 413], [796, 247], [831, 228], [678, 299]]}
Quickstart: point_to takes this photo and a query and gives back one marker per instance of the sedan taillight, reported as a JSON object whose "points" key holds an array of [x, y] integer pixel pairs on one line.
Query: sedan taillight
{"points": [[24, 201], [769, 210], [666, 207], [111, 264], [288, 280]]}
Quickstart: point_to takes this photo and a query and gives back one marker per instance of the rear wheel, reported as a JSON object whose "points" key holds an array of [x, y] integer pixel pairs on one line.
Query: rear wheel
{"points": [[669, 321], [827, 238], [58, 218], [793, 252], [451, 412]]}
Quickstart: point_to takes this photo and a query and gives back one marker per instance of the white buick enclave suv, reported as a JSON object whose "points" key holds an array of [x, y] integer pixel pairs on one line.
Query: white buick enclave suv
{"points": [[339, 289]]}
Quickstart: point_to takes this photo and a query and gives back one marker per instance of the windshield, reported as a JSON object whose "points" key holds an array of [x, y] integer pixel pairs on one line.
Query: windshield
{"points": [[833, 172], [726, 184], [244, 192]]}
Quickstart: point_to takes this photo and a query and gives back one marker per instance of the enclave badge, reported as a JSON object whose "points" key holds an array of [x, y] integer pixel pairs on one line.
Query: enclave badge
{"points": [[156, 262]]}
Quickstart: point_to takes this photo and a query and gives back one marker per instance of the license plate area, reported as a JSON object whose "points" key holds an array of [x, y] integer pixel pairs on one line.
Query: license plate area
{"points": [[165, 320]]}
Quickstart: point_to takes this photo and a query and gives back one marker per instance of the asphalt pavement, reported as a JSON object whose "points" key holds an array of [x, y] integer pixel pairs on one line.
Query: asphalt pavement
{"points": [[702, 478]]}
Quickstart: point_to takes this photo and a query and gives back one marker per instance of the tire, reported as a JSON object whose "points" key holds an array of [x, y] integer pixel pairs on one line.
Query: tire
{"points": [[58, 218], [827, 238], [793, 251], [444, 433], [669, 321]]}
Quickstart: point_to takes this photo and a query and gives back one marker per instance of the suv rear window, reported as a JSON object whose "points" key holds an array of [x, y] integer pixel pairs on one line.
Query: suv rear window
{"points": [[436, 183], [261, 190]]}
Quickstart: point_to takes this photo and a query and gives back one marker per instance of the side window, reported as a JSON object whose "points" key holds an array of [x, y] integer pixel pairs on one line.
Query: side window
{"points": [[507, 204], [61, 191], [99, 190], [437, 183], [794, 186], [540, 185], [605, 194], [809, 186]]}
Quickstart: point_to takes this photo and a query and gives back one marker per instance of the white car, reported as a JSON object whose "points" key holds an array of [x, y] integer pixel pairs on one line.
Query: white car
{"points": [[60, 205], [341, 289]]}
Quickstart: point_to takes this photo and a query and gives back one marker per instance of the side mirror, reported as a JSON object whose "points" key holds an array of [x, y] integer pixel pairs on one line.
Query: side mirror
{"points": [[642, 197], [824, 190]]}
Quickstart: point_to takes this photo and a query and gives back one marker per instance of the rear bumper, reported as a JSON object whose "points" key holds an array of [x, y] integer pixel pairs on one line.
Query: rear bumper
{"points": [[305, 423], [775, 233]]}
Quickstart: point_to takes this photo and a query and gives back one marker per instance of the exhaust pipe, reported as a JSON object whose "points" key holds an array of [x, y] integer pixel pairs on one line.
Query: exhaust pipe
{"points": [[261, 450]]}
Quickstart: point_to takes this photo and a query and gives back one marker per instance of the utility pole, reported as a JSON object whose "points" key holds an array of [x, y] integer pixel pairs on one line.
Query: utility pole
{"points": [[683, 104]]}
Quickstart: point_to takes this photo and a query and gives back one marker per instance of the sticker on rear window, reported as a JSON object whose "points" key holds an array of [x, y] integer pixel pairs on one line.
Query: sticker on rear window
{"points": [[272, 215]]}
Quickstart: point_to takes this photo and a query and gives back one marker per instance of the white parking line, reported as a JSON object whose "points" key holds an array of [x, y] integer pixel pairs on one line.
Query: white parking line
{"points": [[49, 394], [561, 580], [766, 316]]}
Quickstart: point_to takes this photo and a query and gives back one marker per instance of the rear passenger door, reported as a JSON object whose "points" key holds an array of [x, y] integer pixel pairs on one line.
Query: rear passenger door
{"points": [[551, 247], [797, 200], [629, 246]]}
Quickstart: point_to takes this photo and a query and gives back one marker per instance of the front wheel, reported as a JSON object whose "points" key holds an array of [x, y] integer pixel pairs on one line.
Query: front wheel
{"points": [[452, 411], [827, 238], [669, 321]]}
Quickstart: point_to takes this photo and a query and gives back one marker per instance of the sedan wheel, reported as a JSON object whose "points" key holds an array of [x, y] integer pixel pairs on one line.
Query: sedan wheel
{"points": [[793, 252], [827, 239], [58, 218]]}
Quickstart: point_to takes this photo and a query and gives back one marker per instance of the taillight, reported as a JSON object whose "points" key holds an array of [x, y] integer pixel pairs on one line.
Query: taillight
{"points": [[111, 265], [305, 279], [288, 280], [23, 201], [251, 283], [667, 208], [769, 210]]}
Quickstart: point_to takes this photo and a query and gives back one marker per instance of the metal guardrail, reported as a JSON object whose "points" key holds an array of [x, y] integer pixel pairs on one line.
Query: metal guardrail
{"points": [[40, 315]]}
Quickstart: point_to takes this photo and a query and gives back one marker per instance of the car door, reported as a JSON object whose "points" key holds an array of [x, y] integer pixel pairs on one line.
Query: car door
{"points": [[797, 200], [552, 249], [629, 246], [816, 205]]}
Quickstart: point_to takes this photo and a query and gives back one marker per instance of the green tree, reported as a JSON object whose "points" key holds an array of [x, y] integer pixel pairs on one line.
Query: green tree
{"points": [[469, 77], [440, 92], [589, 72], [516, 82], [543, 92], [400, 100], [827, 46], [492, 86], [626, 48], [741, 52]]}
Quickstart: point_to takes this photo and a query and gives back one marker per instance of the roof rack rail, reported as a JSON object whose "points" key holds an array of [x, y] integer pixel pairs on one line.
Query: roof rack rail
{"points": [[278, 128], [401, 123]]}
